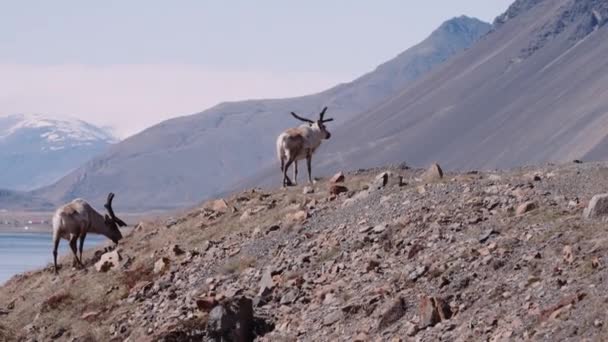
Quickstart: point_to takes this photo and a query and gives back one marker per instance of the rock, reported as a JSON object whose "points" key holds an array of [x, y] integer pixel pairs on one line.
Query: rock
{"points": [[365, 229], [332, 318], [379, 182], [597, 208], [177, 251], [380, 228], [266, 283], [433, 173], [307, 190], [246, 215], [486, 234], [108, 261], [337, 178], [90, 316], [233, 321], [394, 313], [525, 208], [411, 329], [337, 189], [433, 310], [161, 265], [219, 205], [361, 337], [290, 297], [568, 255], [206, 304], [298, 216]]}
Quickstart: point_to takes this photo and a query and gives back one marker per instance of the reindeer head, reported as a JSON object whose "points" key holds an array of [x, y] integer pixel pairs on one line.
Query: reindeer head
{"points": [[317, 125], [113, 222]]}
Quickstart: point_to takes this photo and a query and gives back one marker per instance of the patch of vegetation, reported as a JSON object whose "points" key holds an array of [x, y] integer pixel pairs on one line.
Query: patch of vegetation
{"points": [[141, 273], [238, 264], [57, 301]]}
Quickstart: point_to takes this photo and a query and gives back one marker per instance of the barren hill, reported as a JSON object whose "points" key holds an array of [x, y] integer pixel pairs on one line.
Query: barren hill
{"points": [[401, 255]]}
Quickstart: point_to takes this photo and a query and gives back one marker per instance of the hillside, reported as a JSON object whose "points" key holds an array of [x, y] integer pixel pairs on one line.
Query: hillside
{"points": [[180, 161], [470, 256], [534, 90], [37, 150]]}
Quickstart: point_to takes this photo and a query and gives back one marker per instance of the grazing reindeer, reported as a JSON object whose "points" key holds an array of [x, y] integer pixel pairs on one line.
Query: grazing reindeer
{"points": [[76, 219], [300, 143]]}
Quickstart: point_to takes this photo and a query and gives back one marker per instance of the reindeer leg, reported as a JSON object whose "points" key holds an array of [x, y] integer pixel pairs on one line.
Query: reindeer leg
{"points": [[56, 240], [73, 241], [82, 237], [286, 180], [295, 172], [309, 167]]}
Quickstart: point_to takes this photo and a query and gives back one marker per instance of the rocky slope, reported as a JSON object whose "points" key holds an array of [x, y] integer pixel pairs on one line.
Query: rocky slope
{"points": [[385, 255], [179, 161], [37, 150]]}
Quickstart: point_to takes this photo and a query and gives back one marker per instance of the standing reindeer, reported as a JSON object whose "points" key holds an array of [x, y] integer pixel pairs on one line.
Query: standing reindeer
{"points": [[301, 143], [76, 219]]}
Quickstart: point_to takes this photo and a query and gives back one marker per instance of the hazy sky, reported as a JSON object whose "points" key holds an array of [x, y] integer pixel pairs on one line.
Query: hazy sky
{"points": [[133, 63]]}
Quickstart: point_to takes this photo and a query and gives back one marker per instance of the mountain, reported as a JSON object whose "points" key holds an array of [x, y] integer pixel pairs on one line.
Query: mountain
{"points": [[37, 150], [533, 90], [180, 161]]}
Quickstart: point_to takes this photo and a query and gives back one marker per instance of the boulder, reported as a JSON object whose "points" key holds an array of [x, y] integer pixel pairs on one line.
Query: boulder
{"points": [[219, 205], [525, 207], [232, 321], [161, 265], [337, 178], [298, 216], [392, 314], [337, 189], [433, 173], [108, 261], [433, 310], [597, 208]]}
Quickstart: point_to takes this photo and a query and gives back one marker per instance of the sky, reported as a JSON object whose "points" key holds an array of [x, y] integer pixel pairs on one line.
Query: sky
{"points": [[129, 64]]}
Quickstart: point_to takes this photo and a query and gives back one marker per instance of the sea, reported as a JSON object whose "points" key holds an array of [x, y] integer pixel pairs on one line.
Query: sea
{"points": [[25, 251]]}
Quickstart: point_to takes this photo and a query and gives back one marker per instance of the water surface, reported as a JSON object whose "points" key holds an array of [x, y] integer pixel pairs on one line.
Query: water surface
{"points": [[21, 252]]}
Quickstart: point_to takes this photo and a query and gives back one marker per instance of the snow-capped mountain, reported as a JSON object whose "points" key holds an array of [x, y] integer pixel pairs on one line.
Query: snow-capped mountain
{"points": [[37, 150]]}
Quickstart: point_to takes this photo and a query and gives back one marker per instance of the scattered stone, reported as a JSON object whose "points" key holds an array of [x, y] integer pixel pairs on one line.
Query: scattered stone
{"points": [[379, 182], [394, 313], [525, 208], [298, 216], [332, 318], [337, 178], [109, 261], [380, 228], [90, 316], [433, 173], [486, 234], [161, 265], [365, 229], [233, 321], [307, 190], [337, 189], [597, 208], [206, 304], [219, 205], [177, 251], [433, 310]]}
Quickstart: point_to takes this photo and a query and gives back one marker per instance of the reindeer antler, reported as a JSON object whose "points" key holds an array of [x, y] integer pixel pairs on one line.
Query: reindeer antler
{"points": [[301, 118], [108, 207], [322, 114]]}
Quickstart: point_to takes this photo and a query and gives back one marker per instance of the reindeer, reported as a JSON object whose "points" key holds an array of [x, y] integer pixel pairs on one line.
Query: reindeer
{"points": [[76, 219], [301, 143]]}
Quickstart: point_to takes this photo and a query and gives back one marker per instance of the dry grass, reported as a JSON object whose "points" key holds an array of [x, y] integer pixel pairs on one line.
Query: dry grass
{"points": [[6, 334], [140, 273], [237, 265], [57, 301]]}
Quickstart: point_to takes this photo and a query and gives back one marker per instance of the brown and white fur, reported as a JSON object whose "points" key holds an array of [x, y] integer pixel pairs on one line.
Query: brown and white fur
{"points": [[73, 221], [301, 143]]}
